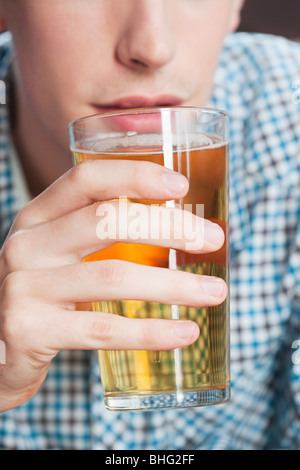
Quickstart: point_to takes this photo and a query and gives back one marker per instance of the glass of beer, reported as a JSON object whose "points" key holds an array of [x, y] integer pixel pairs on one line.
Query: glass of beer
{"points": [[193, 142]]}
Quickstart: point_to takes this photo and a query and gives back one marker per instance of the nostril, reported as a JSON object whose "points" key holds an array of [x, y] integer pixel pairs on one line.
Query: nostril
{"points": [[138, 63]]}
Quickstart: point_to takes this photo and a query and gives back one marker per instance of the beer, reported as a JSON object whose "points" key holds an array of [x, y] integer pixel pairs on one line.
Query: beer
{"points": [[204, 365]]}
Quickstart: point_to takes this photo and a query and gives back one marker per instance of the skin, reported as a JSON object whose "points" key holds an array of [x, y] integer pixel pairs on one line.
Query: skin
{"points": [[70, 57]]}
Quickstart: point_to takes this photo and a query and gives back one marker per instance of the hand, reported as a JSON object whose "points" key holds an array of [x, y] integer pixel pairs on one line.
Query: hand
{"points": [[42, 277]]}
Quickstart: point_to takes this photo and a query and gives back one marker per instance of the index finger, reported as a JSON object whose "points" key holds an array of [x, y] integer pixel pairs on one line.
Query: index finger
{"points": [[99, 180]]}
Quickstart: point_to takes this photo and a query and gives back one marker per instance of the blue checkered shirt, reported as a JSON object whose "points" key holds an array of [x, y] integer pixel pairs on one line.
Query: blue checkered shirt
{"points": [[258, 84]]}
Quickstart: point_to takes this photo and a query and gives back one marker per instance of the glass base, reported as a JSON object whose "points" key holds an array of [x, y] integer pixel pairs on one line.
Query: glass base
{"points": [[167, 401]]}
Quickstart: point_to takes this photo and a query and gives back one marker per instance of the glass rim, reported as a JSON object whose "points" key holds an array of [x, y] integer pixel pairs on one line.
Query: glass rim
{"points": [[147, 110]]}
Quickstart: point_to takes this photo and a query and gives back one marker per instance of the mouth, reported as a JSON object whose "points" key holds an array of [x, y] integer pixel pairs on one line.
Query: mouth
{"points": [[138, 101], [137, 122]]}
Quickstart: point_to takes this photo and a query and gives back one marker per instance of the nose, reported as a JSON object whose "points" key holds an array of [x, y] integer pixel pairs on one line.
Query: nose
{"points": [[146, 42]]}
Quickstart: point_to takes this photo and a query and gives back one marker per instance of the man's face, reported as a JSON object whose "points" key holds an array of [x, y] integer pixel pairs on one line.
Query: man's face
{"points": [[80, 57]]}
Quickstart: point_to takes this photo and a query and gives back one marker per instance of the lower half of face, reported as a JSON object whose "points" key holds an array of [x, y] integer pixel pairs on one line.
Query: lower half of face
{"points": [[79, 58]]}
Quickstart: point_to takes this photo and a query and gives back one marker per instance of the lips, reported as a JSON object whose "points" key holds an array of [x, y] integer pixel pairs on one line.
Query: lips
{"points": [[137, 122], [139, 101]]}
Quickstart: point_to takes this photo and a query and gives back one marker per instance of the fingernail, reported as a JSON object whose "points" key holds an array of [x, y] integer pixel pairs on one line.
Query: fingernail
{"points": [[213, 233], [184, 330], [213, 286], [174, 182]]}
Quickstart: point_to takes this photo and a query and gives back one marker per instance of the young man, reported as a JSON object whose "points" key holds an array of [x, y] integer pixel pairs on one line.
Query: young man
{"points": [[79, 57]]}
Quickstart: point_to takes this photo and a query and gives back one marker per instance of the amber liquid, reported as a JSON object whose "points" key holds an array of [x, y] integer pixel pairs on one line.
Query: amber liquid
{"points": [[203, 365]]}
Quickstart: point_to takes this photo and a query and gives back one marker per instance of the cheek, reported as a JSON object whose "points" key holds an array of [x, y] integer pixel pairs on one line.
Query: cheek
{"points": [[55, 60], [49, 70], [199, 53], [204, 28]]}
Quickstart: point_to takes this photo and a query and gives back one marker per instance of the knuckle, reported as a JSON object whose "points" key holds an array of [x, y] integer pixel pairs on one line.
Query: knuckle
{"points": [[111, 273], [20, 219], [13, 319], [14, 249], [16, 328], [81, 172], [13, 286], [10, 326], [101, 329]]}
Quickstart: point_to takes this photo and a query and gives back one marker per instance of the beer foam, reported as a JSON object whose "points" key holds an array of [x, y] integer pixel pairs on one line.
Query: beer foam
{"points": [[149, 142]]}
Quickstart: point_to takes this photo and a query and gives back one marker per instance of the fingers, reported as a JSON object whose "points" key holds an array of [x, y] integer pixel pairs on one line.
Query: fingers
{"points": [[52, 293], [72, 237], [98, 180], [61, 226], [44, 301], [92, 331], [96, 330], [45, 330], [119, 280]]}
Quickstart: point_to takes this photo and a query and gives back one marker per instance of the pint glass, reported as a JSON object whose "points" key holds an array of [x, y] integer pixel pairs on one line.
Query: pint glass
{"points": [[194, 142]]}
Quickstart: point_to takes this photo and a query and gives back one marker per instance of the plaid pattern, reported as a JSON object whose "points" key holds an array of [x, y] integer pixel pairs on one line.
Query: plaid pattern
{"points": [[254, 83]]}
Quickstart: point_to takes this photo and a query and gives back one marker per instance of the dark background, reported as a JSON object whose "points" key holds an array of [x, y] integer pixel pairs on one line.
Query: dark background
{"points": [[281, 17]]}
